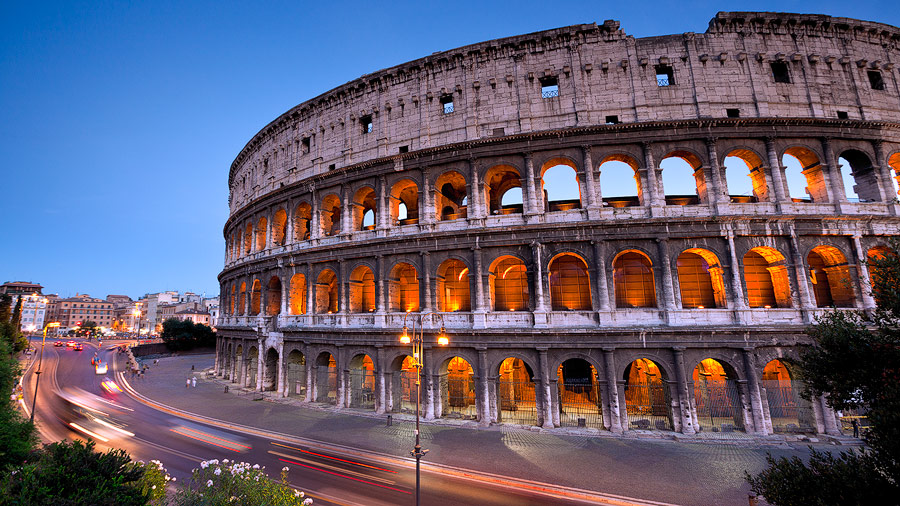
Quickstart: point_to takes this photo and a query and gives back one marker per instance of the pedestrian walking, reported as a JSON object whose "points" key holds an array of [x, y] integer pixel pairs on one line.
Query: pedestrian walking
{"points": [[187, 382], [194, 381], [855, 425]]}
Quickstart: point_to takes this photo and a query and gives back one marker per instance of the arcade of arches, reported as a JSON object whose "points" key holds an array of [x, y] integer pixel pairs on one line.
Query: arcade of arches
{"points": [[652, 393]]}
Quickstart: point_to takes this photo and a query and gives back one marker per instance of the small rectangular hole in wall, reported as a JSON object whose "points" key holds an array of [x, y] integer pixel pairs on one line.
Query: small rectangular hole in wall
{"points": [[733, 113], [366, 122], [499, 132], [843, 115], [447, 103], [665, 75], [304, 145], [404, 149], [780, 72], [331, 167], [549, 87], [612, 120], [876, 80]]}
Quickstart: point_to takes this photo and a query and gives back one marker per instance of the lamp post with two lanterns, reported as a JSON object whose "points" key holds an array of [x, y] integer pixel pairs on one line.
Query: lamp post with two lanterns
{"points": [[418, 340]]}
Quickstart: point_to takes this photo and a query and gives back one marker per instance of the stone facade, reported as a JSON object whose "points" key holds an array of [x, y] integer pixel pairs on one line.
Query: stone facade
{"points": [[379, 205]]}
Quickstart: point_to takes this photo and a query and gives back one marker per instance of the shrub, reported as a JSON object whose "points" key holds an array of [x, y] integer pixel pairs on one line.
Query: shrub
{"points": [[229, 483]]}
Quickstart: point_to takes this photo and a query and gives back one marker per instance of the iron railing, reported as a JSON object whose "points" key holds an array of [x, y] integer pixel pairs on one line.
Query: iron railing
{"points": [[647, 406], [662, 81], [517, 402], [550, 93], [718, 406], [362, 388], [788, 411], [458, 396], [579, 405]]}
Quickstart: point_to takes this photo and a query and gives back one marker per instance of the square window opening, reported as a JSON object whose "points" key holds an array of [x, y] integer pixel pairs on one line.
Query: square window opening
{"points": [[876, 80], [612, 120], [499, 132], [304, 145], [843, 115], [549, 87], [733, 113], [665, 75], [780, 72], [404, 149], [366, 122], [331, 167], [447, 103]]}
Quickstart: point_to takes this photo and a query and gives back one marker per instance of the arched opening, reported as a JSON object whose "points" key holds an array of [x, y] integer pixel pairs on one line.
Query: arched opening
{"points": [[881, 286], [509, 284], [362, 290], [647, 399], [516, 393], [252, 367], [242, 305], [859, 177], [302, 220], [364, 209], [716, 397], [458, 389], [404, 288], [403, 385], [560, 190], [620, 181], [255, 297], [579, 394], [766, 278], [570, 284], [362, 382], [700, 279], [270, 373], [327, 292], [788, 411], [405, 203], [231, 302], [261, 234], [683, 183], [894, 174], [830, 277], [803, 172], [330, 218], [633, 280], [273, 296], [296, 374], [298, 294], [248, 239], [453, 286], [498, 181], [745, 177], [279, 227], [237, 363], [326, 379], [450, 196]]}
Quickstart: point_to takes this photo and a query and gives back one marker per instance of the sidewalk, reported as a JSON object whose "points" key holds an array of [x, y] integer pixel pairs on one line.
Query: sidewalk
{"points": [[648, 466]]}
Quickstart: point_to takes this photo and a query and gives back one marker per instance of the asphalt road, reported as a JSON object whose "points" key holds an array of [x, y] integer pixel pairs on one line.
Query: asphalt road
{"points": [[328, 476]]}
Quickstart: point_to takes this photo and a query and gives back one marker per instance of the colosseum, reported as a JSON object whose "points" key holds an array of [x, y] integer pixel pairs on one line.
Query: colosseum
{"points": [[724, 189]]}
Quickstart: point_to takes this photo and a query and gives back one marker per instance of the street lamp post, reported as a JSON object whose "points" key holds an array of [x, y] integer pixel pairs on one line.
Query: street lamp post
{"points": [[418, 340], [37, 379]]}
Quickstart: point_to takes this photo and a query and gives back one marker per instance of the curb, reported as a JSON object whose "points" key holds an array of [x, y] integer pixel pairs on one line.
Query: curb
{"points": [[503, 481]]}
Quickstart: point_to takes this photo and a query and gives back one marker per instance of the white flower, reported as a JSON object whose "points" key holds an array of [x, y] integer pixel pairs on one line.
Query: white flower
{"points": [[153, 487], [285, 468], [173, 478], [307, 501], [218, 471], [225, 461], [204, 464], [209, 483], [255, 466]]}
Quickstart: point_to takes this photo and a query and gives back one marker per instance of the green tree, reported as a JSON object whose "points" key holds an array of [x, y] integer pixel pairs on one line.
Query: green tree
{"points": [[9, 326], [855, 363], [185, 335], [73, 474], [17, 435]]}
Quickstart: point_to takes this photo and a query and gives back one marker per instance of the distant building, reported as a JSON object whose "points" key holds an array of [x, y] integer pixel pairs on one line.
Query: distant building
{"points": [[20, 288], [34, 312], [76, 310], [194, 315]]}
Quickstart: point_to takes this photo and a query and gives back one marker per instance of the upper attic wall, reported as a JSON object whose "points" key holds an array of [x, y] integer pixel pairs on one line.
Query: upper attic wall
{"points": [[601, 72]]}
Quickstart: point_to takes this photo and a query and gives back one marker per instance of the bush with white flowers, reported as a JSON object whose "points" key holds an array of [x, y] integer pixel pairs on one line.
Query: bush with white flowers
{"points": [[227, 483]]}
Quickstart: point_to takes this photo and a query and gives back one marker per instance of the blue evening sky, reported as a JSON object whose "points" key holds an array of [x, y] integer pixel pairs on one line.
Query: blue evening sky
{"points": [[120, 119]]}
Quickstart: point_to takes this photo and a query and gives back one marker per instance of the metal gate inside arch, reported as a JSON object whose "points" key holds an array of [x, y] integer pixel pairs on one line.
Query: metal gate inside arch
{"points": [[716, 398]]}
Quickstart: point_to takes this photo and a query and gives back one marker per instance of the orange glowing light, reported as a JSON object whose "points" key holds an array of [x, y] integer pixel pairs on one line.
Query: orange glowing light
{"points": [[443, 340], [700, 307], [462, 273]]}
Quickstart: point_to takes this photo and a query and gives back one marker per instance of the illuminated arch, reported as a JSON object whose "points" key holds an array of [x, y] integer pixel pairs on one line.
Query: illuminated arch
{"points": [[327, 292], [362, 290], [830, 277], [516, 392], [330, 215], [273, 296], [678, 167], [243, 299], [255, 297], [633, 280], [297, 297], [803, 167], [750, 186], [364, 209], [498, 180], [509, 284], [717, 399], [453, 286], [248, 238], [766, 278], [700, 279], [560, 187], [405, 197], [302, 221], [458, 389], [279, 227], [647, 399], [615, 170], [261, 226], [570, 283], [451, 200], [404, 288]]}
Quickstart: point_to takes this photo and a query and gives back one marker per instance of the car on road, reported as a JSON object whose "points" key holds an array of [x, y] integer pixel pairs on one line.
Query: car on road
{"points": [[58, 344], [70, 343], [78, 347], [101, 367]]}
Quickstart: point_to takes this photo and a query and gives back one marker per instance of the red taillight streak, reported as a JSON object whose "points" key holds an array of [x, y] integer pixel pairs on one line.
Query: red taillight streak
{"points": [[344, 476], [205, 441], [335, 458], [214, 437]]}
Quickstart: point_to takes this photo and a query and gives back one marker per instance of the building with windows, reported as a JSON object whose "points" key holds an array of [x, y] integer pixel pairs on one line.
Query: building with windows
{"points": [[34, 312], [420, 197], [14, 288], [74, 311]]}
